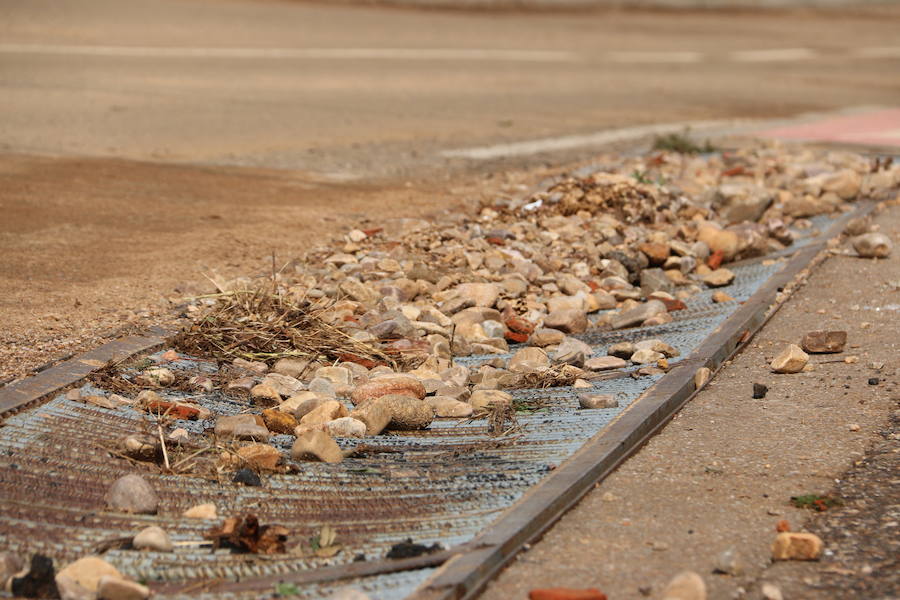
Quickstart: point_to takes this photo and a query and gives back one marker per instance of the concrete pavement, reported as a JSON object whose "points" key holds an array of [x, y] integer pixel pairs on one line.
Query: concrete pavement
{"points": [[349, 92]]}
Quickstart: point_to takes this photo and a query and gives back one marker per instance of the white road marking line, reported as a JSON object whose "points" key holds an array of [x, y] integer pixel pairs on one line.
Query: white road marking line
{"points": [[655, 57], [575, 141], [300, 53], [773, 55], [876, 52]]}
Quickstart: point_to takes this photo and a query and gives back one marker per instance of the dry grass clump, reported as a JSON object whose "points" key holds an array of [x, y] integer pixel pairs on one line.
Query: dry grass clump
{"points": [[555, 376], [263, 325]]}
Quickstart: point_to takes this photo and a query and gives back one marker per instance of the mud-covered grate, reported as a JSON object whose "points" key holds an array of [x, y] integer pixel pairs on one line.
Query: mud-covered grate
{"points": [[443, 485]]}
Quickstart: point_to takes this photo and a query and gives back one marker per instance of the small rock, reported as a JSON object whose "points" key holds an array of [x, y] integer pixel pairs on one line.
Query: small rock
{"points": [[88, 571], [278, 421], [528, 360], [201, 511], [153, 538], [570, 320], [846, 183], [655, 280], [316, 445], [132, 494], [604, 363], [387, 385], [265, 395], [726, 243], [480, 294], [260, 456], [346, 427], [250, 365], [247, 477], [593, 401], [572, 351], [240, 386], [791, 360], [824, 342], [646, 356], [658, 346], [719, 278], [327, 411], [853, 427], [180, 435], [117, 588], [797, 546], [873, 381], [622, 350], [483, 399], [660, 319], [727, 563], [546, 337], [721, 297], [638, 314], [872, 245], [291, 367], [742, 201], [771, 592], [407, 413], [687, 585], [759, 391], [374, 414], [701, 377], [242, 427], [446, 407], [284, 385], [302, 404]]}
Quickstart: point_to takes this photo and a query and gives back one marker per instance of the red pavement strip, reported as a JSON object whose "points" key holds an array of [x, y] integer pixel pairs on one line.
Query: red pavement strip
{"points": [[876, 128]]}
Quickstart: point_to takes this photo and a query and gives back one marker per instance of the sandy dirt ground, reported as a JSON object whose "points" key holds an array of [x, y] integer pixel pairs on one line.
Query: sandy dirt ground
{"points": [[720, 476], [91, 249]]}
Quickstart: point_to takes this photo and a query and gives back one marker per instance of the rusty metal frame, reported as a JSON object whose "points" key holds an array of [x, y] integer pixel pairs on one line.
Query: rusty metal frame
{"points": [[31, 390]]}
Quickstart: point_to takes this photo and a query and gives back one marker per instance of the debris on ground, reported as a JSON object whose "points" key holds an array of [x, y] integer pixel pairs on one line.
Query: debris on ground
{"points": [[791, 360], [824, 342], [797, 546], [245, 534], [38, 582], [132, 494], [410, 549], [759, 391], [815, 502], [872, 245]]}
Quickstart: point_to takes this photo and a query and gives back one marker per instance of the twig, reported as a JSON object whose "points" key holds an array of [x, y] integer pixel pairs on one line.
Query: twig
{"points": [[162, 441]]}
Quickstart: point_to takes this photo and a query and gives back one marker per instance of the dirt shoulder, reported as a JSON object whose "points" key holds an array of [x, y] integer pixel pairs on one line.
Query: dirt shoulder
{"points": [[93, 248], [721, 475]]}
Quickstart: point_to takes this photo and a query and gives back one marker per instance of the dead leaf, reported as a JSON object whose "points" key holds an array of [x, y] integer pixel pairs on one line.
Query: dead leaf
{"points": [[245, 534]]}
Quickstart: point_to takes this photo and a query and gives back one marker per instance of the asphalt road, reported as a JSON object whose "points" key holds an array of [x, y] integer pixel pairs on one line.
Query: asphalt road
{"points": [[348, 92]]}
